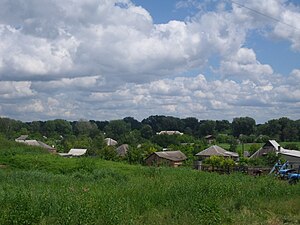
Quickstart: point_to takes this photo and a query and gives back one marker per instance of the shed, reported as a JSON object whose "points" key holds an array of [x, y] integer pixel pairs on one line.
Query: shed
{"points": [[122, 150], [22, 138], [74, 152], [38, 144], [217, 151], [270, 146], [210, 138], [292, 156], [169, 132], [110, 142], [169, 158]]}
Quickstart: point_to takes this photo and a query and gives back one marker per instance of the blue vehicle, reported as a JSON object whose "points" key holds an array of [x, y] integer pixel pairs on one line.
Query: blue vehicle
{"points": [[294, 177], [281, 170]]}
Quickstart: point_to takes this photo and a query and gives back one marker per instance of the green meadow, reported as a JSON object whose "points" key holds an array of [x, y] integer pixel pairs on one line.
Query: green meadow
{"points": [[39, 188]]}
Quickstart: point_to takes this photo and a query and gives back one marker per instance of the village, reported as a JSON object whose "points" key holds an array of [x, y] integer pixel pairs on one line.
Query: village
{"points": [[100, 172], [214, 158]]}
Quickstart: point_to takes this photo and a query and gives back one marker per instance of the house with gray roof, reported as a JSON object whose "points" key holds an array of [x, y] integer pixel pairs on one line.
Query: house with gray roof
{"points": [[23, 139], [122, 150], [268, 147], [168, 158], [293, 156], [215, 150]]}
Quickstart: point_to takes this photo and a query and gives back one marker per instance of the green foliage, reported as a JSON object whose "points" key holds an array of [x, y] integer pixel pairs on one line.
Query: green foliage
{"points": [[205, 127], [253, 148], [108, 153], [243, 125], [233, 145], [117, 128], [268, 160], [224, 138], [135, 155], [165, 140], [47, 189], [219, 162], [292, 146]]}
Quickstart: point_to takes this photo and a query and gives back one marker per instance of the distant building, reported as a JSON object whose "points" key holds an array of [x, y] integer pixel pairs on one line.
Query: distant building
{"points": [[110, 142], [217, 151], [74, 152], [268, 147], [169, 132], [293, 156], [210, 138], [22, 139], [169, 158], [122, 150]]}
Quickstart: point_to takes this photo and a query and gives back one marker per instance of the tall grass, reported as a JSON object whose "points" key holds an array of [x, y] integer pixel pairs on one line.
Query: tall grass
{"points": [[151, 196], [46, 189]]}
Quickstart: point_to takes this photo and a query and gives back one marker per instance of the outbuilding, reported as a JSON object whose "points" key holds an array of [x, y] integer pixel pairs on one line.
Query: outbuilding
{"points": [[217, 151], [169, 158]]}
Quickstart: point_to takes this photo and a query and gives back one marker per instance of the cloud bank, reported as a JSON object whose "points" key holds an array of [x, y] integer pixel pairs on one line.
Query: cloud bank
{"points": [[107, 59]]}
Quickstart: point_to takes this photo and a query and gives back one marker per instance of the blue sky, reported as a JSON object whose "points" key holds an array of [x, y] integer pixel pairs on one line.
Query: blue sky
{"points": [[108, 59], [274, 52]]}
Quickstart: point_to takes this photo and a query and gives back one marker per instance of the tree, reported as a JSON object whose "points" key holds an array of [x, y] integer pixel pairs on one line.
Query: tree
{"points": [[166, 140], [190, 124], [205, 127], [108, 153], [62, 127], [135, 155], [116, 129], [223, 126], [83, 127], [132, 138], [146, 131], [243, 125], [134, 124], [159, 123]]}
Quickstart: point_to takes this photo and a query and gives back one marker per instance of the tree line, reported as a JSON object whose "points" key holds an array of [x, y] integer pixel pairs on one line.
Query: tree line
{"points": [[142, 137], [282, 129]]}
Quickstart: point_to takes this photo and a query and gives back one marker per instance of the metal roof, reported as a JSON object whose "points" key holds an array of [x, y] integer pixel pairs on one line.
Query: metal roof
{"points": [[218, 151], [22, 138], [110, 141], [274, 144], [293, 153], [171, 155], [77, 151]]}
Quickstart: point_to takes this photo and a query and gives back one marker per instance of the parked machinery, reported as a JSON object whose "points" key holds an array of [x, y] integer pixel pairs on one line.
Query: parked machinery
{"points": [[294, 177], [281, 170]]}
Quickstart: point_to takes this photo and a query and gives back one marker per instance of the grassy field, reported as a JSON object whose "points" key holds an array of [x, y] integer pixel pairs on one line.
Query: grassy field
{"points": [[45, 189]]}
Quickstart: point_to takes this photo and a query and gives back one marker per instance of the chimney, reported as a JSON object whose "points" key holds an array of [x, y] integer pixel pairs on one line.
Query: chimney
{"points": [[279, 148]]}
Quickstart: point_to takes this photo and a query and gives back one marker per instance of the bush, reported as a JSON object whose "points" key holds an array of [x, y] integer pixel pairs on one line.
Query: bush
{"points": [[292, 146]]}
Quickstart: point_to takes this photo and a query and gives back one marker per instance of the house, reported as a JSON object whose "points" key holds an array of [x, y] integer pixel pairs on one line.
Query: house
{"points": [[122, 150], [217, 151], [293, 156], [74, 152], [110, 142], [270, 146], [169, 158], [22, 139], [209, 138], [169, 132]]}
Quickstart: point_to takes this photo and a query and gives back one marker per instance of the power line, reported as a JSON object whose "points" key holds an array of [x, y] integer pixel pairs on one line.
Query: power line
{"points": [[262, 14]]}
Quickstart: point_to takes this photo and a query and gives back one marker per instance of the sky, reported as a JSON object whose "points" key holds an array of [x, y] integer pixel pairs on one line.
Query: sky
{"points": [[109, 59]]}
